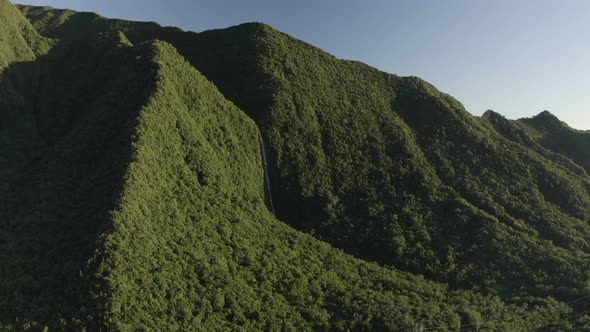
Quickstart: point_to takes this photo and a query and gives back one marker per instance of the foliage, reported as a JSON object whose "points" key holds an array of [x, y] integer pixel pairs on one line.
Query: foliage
{"points": [[18, 39], [557, 136], [133, 192], [193, 243], [69, 118]]}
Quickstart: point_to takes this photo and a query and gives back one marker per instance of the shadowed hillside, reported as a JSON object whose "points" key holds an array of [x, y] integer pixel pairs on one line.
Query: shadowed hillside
{"points": [[70, 119]]}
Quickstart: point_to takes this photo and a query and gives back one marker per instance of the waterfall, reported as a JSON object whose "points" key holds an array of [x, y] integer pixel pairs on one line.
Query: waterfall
{"points": [[266, 177]]}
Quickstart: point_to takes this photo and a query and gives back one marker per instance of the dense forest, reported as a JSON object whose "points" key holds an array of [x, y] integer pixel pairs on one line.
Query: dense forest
{"points": [[133, 193]]}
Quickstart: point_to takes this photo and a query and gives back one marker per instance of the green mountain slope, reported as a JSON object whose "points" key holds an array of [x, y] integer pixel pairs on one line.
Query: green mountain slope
{"points": [[376, 164], [212, 256], [66, 149], [386, 168], [19, 41], [139, 204], [557, 136]]}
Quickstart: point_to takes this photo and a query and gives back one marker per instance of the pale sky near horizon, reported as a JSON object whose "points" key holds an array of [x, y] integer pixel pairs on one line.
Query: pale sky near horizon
{"points": [[515, 57]]}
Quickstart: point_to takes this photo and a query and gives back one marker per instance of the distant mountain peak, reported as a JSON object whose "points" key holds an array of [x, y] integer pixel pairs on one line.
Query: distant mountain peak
{"points": [[547, 115], [491, 114], [546, 120]]}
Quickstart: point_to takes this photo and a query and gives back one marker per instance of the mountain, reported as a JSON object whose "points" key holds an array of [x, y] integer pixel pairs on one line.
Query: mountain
{"points": [[133, 190], [557, 136], [19, 41]]}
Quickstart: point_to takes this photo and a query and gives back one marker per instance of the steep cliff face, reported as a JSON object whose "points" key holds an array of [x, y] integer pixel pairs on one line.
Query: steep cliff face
{"points": [[133, 192]]}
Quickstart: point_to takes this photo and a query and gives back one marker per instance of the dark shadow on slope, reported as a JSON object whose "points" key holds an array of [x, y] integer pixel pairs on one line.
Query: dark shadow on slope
{"points": [[68, 120]]}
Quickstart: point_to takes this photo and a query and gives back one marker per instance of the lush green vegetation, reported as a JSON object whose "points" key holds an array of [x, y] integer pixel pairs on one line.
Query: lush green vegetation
{"points": [[557, 136], [19, 41], [67, 123], [132, 192], [212, 256]]}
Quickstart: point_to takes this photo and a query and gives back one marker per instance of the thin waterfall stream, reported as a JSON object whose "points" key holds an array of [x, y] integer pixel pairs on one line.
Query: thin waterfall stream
{"points": [[266, 177]]}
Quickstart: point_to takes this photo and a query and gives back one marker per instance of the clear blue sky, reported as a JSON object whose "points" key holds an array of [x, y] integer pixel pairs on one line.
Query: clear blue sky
{"points": [[515, 57]]}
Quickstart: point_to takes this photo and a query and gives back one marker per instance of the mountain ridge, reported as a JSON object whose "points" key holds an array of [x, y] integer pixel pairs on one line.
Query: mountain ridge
{"points": [[385, 168]]}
